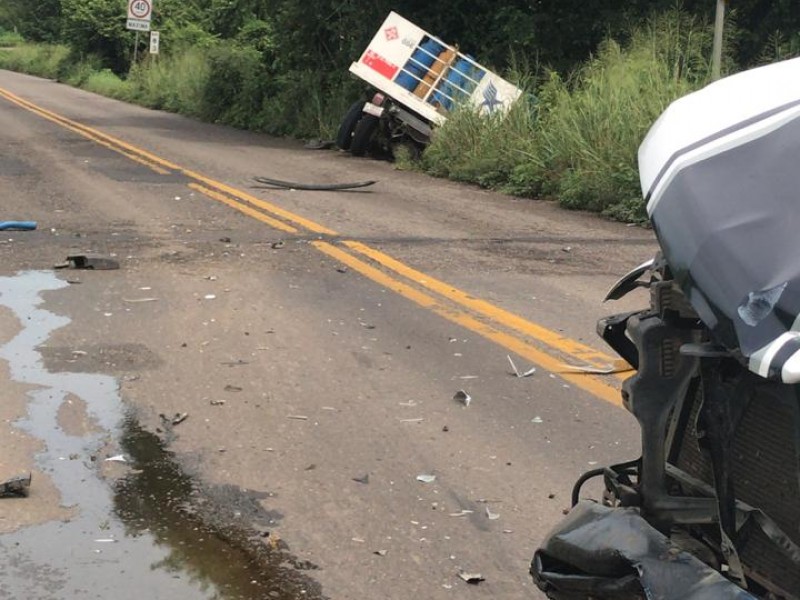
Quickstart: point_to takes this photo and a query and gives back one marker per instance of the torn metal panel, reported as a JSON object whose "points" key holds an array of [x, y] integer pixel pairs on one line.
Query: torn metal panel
{"points": [[615, 554]]}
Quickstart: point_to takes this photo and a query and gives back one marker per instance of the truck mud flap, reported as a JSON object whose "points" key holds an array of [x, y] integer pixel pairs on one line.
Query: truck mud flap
{"points": [[614, 554]]}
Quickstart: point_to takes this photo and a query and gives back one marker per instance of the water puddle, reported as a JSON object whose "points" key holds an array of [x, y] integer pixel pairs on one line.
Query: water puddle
{"points": [[152, 534]]}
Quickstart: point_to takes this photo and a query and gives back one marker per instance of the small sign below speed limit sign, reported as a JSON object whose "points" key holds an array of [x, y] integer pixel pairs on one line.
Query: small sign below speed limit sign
{"points": [[139, 14]]}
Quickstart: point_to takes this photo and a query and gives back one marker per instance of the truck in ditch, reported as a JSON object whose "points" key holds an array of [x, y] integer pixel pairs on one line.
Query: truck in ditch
{"points": [[416, 81]]}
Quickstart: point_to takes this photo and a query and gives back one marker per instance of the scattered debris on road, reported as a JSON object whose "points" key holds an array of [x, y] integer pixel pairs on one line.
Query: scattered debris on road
{"points": [[217, 402], [117, 458], [537, 420], [471, 578], [298, 417], [462, 397], [363, 479], [425, 478], [490, 515], [516, 372], [311, 187], [233, 388], [234, 363], [277, 245], [598, 370], [175, 420], [381, 552], [89, 262], [16, 487], [137, 300]]}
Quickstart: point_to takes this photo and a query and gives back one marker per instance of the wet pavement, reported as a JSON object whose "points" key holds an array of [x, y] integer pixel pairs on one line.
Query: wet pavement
{"points": [[141, 526]]}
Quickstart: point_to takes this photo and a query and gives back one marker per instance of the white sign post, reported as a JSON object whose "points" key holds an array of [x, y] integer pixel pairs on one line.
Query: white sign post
{"points": [[140, 13], [155, 38]]}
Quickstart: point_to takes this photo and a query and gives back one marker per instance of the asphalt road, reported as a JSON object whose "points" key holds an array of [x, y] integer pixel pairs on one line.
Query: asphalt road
{"points": [[312, 338]]}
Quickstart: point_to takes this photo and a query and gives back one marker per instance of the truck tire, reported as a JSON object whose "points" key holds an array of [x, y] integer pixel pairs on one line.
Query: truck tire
{"points": [[344, 136], [363, 134]]}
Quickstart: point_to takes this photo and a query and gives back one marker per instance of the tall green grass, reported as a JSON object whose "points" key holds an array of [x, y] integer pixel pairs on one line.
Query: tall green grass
{"points": [[9, 39], [43, 60], [578, 141], [171, 82]]}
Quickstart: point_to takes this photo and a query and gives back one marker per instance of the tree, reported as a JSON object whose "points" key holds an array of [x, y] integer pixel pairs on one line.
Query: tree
{"points": [[36, 21]]}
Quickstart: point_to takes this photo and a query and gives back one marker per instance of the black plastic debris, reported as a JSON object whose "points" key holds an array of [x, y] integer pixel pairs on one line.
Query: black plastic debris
{"points": [[268, 183], [462, 397], [614, 554], [89, 262], [16, 487]]}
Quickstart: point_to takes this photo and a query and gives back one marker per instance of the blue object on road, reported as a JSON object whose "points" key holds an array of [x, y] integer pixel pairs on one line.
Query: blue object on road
{"points": [[17, 225]]}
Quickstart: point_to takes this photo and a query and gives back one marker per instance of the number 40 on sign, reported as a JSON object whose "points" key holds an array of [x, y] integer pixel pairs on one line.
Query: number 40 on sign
{"points": [[140, 12]]}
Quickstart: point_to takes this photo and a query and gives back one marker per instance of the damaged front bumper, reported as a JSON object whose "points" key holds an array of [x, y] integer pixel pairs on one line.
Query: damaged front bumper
{"points": [[614, 554]]}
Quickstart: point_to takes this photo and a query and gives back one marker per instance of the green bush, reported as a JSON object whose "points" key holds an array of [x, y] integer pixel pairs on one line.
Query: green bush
{"points": [[306, 103], [580, 143], [108, 83], [236, 85], [42, 60], [174, 82], [9, 39]]}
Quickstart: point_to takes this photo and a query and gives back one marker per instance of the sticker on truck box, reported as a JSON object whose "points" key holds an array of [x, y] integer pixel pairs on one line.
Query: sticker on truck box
{"points": [[377, 63]]}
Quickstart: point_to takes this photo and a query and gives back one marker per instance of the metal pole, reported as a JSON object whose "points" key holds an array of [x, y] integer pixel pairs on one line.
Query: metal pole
{"points": [[719, 26], [136, 48]]}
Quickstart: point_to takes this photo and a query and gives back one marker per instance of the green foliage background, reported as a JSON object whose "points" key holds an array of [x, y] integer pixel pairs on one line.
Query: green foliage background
{"points": [[597, 73]]}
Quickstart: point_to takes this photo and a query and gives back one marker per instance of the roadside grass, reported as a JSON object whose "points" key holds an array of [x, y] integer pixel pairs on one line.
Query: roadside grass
{"points": [[172, 82], [107, 83], [10, 39], [42, 60], [577, 142]]}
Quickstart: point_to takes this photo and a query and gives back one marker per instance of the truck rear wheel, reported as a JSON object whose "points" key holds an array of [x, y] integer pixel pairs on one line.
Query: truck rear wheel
{"points": [[363, 134], [344, 136]]}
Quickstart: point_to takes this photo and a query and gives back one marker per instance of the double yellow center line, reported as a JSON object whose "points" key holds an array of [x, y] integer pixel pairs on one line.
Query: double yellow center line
{"points": [[535, 343]]}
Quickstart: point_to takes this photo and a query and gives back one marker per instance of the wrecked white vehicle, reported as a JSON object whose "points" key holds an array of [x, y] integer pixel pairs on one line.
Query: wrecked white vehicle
{"points": [[711, 509], [417, 80]]}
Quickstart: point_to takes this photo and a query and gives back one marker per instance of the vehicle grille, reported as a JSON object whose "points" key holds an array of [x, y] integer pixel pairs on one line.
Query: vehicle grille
{"points": [[766, 475]]}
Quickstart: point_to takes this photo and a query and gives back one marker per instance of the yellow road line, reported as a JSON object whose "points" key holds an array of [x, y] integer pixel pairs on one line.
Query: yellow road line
{"points": [[510, 320], [276, 210], [245, 203], [243, 209], [139, 154], [59, 121], [89, 131], [591, 384]]}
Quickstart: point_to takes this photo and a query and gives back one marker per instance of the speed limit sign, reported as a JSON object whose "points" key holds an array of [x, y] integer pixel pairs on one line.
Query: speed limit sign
{"points": [[139, 9], [139, 14]]}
